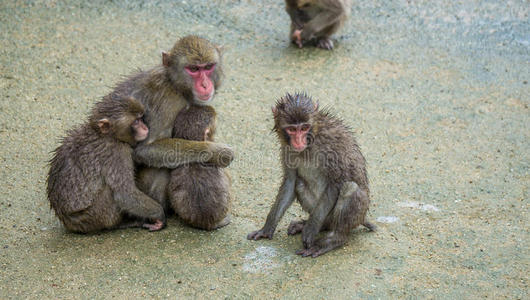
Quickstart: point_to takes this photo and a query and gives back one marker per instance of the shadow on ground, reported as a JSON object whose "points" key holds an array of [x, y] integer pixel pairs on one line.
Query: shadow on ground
{"points": [[436, 91]]}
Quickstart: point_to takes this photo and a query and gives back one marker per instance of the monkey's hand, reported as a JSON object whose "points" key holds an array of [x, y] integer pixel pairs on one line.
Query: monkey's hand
{"points": [[259, 234], [308, 236], [297, 37], [221, 155], [154, 227]]}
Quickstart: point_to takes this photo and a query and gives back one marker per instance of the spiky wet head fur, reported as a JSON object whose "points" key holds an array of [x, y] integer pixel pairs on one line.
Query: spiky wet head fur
{"points": [[293, 109]]}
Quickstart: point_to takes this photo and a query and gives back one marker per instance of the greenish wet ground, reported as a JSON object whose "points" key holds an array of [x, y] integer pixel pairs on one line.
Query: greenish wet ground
{"points": [[436, 91]]}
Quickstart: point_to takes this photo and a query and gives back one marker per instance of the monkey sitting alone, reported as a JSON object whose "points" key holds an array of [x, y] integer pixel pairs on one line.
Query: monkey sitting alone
{"points": [[199, 193], [91, 183], [324, 169], [315, 21]]}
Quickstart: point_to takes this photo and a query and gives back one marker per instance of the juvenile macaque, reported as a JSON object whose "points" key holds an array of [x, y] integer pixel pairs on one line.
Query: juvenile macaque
{"points": [[91, 179], [199, 193], [314, 21], [324, 169], [190, 73]]}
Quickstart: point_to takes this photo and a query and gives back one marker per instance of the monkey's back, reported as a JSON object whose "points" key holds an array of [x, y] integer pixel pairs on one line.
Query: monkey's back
{"points": [[343, 159], [76, 185], [200, 194]]}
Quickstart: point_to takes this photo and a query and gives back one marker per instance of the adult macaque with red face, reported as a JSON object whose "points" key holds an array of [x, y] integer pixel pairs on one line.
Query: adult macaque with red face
{"points": [[188, 74]]}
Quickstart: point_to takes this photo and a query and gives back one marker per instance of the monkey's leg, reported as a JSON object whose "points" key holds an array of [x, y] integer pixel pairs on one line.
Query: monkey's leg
{"points": [[103, 213], [321, 22], [154, 183], [323, 38], [296, 227], [318, 217], [347, 214]]}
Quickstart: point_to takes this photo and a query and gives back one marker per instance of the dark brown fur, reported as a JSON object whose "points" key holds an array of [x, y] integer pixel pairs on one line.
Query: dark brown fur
{"points": [[91, 179], [198, 193], [164, 91], [318, 20], [328, 178]]}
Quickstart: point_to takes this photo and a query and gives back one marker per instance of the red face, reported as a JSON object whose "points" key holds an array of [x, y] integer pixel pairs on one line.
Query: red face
{"points": [[298, 135], [203, 88], [140, 131]]}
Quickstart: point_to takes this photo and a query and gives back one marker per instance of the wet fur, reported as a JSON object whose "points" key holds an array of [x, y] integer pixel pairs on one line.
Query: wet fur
{"points": [[90, 183], [198, 193], [328, 178]]}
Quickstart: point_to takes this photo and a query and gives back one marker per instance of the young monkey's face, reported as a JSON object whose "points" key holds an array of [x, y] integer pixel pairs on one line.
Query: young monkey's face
{"points": [[298, 135]]}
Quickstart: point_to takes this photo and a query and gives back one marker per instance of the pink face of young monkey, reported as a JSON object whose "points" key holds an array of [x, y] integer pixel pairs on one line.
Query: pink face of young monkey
{"points": [[203, 87], [297, 133], [139, 129]]}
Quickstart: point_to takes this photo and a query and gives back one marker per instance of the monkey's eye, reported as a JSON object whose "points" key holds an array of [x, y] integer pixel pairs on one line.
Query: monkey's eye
{"points": [[290, 130], [305, 127], [192, 69], [209, 66], [137, 121]]}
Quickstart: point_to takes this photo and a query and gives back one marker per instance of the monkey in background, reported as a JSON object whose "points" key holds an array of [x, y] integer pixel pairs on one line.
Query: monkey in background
{"points": [[91, 183], [324, 169], [316, 20], [199, 193]]}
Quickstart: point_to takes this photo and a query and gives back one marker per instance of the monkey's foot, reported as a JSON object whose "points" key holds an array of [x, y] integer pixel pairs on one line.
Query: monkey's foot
{"points": [[370, 226], [223, 222], [259, 234], [154, 227], [295, 227], [323, 245], [325, 43]]}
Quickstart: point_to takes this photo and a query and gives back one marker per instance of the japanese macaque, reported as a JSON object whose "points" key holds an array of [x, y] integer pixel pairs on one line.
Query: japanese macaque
{"points": [[314, 21], [91, 179], [190, 73], [199, 193], [324, 169]]}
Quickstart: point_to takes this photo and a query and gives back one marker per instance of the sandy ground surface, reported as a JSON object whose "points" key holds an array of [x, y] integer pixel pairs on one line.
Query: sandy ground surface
{"points": [[436, 91]]}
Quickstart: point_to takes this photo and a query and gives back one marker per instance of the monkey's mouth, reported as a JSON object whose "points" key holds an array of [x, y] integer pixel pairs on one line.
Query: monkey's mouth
{"points": [[298, 147], [204, 97]]}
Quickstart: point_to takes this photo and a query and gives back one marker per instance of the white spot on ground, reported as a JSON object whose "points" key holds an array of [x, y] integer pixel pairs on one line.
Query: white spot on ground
{"points": [[387, 219], [261, 260], [422, 206]]}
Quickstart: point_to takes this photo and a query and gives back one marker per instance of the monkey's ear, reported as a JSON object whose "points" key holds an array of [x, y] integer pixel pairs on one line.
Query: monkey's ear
{"points": [[165, 59], [274, 110], [316, 106], [220, 49], [104, 125]]}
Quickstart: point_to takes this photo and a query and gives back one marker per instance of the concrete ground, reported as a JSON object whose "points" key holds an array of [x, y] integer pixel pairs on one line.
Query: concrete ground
{"points": [[436, 91]]}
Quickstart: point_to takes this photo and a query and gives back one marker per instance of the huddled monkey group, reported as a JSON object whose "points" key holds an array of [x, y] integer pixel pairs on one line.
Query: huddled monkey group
{"points": [[147, 150]]}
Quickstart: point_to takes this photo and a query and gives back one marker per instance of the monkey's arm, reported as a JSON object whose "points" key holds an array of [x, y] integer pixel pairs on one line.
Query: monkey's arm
{"points": [[318, 215], [136, 203], [119, 176], [296, 17], [171, 153], [332, 11], [284, 199]]}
